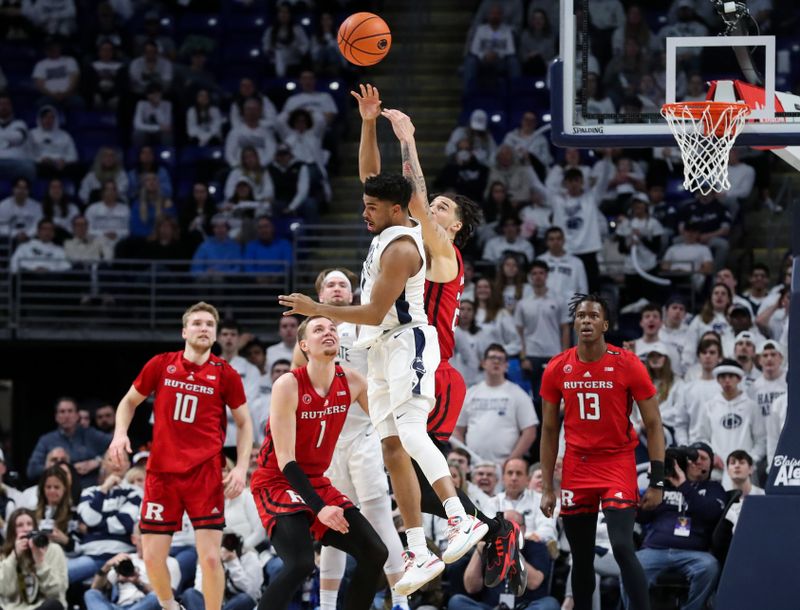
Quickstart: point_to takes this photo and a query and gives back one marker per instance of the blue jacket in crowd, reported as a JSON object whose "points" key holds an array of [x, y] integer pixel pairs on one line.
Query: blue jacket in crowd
{"points": [[214, 250]]}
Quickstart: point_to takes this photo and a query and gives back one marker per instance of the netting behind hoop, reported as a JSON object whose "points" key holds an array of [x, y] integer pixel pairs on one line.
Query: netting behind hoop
{"points": [[705, 132]]}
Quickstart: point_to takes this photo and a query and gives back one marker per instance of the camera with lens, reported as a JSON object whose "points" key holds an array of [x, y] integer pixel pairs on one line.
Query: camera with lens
{"points": [[125, 568], [233, 543], [40, 539], [680, 456]]}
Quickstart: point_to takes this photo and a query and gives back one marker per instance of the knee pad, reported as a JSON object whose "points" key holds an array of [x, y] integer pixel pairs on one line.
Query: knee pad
{"points": [[414, 437], [332, 563]]}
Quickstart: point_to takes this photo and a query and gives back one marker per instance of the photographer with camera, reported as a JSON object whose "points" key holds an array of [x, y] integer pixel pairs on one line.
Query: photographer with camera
{"points": [[243, 578], [678, 533], [54, 510], [33, 572]]}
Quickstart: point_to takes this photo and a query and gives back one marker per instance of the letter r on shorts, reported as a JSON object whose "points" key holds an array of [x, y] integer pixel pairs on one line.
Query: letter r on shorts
{"points": [[296, 497], [567, 497], [154, 512]]}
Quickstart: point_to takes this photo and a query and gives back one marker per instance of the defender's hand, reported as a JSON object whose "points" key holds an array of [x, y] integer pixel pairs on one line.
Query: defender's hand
{"points": [[369, 102], [333, 517], [298, 303], [401, 124]]}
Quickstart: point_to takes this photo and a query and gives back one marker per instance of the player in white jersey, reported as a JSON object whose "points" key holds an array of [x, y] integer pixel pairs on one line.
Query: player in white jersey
{"points": [[357, 465], [401, 364]]}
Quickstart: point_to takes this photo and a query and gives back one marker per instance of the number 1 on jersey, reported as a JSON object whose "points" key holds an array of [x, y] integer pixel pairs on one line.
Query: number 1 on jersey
{"points": [[589, 405], [321, 432]]}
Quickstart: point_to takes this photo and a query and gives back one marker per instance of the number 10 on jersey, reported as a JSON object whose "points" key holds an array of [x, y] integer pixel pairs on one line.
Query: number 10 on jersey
{"points": [[589, 405]]}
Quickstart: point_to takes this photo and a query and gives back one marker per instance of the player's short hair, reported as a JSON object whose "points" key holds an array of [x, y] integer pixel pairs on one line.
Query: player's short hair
{"points": [[537, 264], [394, 188], [573, 174], [739, 454], [229, 324], [651, 307], [201, 306], [707, 343], [468, 212], [301, 331], [579, 298], [324, 273], [552, 230], [494, 347]]}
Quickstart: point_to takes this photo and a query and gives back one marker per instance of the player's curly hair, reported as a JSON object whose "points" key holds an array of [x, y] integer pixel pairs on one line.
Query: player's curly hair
{"points": [[394, 188], [579, 298], [468, 212]]}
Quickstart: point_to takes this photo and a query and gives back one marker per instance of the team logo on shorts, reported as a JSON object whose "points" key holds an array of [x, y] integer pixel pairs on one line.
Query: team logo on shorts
{"points": [[307, 399], [568, 368], [171, 368]]}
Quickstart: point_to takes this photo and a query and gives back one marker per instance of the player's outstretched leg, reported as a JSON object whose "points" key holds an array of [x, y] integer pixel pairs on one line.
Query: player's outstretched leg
{"points": [[580, 531], [291, 537], [620, 534], [364, 544]]}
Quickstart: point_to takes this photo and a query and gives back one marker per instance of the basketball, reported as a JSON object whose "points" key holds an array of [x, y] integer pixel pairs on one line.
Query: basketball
{"points": [[364, 39]]}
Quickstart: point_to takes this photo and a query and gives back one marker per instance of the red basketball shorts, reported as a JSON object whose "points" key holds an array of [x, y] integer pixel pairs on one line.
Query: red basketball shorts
{"points": [[591, 481], [277, 498], [199, 492], [450, 393]]}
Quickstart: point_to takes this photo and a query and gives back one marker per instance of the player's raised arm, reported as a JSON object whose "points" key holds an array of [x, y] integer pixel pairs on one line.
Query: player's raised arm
{"points": [[651, 416], [369, 107], [399, 261], [127, 407], [548, 452]]}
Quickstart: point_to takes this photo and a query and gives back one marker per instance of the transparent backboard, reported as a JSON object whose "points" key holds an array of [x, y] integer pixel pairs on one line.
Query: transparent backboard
{"points": [[609, 92]]}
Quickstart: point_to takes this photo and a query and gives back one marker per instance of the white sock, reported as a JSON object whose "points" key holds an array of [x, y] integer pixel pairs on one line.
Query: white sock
{"points": [[400, 601], [415, 536], [169, 604], [454, 508], [327, 599]]}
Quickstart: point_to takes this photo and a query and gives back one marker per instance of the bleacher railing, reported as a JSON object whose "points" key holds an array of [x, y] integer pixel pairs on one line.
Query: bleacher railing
{"points": [[317, 247]]}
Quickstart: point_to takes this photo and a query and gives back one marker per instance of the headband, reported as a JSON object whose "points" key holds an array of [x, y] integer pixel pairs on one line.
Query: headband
{"points": [[728, 369], [336, 274]]}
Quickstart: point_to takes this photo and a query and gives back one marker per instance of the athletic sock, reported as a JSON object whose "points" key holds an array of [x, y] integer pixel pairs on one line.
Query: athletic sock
{"points": [[454, 508], [327, 599], [415, 536], [398, 601], [169, 604]]}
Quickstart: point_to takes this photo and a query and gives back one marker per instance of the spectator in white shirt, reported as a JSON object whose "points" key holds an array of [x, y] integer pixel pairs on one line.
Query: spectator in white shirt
{"points": [[56, 206], [149, 68], [510, 240], [303, 132], [19, 214], [40, 254], [566, 275], [742, 178], [526, 139], [686, 25], [57, 76], [152, 121], [481, 142], [673, 331], [204, 121], [772, 382], [740, 319], [53, 148], [247, 90], [517, 496], [251, 132], [83, 247], [312, 100], [16, 159], [106, 166], [283, 349], [108, 218], [712, 317], [250, 168], [498, 405], [698, 392], [285, 43], [492, 50], [690, 257]]}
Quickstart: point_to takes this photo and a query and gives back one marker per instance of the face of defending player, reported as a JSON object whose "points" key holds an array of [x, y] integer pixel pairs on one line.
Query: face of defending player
{"points": [[321, 339], [590, 322], [378, 214], [445, 214], [336, 291], [200, 331]]}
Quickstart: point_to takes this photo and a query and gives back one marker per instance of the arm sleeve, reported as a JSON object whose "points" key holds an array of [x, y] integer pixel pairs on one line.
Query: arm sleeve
{"points": [[147, 380], [551, 388]]}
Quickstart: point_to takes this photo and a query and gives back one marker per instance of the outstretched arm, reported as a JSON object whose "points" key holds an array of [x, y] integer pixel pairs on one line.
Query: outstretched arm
{"points": [[369, 107]]}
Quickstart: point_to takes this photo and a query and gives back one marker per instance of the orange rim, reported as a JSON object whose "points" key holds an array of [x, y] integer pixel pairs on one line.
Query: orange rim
{"points": [[715, 110]]}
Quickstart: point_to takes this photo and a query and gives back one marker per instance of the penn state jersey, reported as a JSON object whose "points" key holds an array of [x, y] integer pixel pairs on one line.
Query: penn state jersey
{"points": [[408, 308], [355, 358]]}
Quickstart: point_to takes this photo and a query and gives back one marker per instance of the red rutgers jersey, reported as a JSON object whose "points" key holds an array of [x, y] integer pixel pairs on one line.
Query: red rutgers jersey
{"points": [[319, 420], [442, 308], [598, 397], [189, 411]]}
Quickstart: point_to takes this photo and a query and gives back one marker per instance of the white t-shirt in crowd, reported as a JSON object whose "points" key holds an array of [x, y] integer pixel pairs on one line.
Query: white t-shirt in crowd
{"points": [[56, 72]]}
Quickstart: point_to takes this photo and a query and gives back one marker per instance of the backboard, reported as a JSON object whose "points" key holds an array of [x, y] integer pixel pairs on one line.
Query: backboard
{"points": [[601, 101]]}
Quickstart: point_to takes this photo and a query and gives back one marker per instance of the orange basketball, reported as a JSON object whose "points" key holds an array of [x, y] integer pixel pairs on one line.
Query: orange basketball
{"points": [[364, 39]]}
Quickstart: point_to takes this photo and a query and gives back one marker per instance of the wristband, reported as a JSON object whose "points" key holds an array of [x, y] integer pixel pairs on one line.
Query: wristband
{"points": [[298, 479], [657, 474]]}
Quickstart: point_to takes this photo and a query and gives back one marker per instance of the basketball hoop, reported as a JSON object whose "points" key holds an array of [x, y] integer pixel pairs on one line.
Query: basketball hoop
{"points": [[705, 132]]}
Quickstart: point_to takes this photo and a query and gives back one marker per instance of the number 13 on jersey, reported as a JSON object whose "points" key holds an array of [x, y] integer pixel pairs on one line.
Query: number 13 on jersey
{"points": [[589, 404]]}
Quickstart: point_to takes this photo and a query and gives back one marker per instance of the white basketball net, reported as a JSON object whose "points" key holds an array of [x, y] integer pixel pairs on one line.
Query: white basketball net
{"points": [[705, 132]]}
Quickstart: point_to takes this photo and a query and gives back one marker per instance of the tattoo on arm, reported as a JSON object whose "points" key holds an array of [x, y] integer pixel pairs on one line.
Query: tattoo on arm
{"points": [[413, 171]]}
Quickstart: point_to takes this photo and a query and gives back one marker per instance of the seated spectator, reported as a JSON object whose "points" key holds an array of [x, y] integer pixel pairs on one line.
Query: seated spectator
{"points": [[54, 510], [303, 131], [747, 432], [150, 68], [249, 167], [218, 254], [714, 224], [758, 286], [85, 445], [40, 255], [19, 214], [533, 591], [516, 496], [679, 532], [152, 121], [53, 148], [204, 121], [492, 51], [285, 43], [195, 215], [250, 132], [292, 186], [690, 256], [247, 90], [566, 275], [509, 240], [152, 33], [511, 13], [194, 77], [56, 77], [509, 281], [312, 100], [108, 218], [537, 44], [31, 577], [164, 243], [149, 206], [106, 166], [147, 163], [325, 56], [463, 173], [56, 206], [501, 406], [16, 159], [105, 78], [484, 475], [53, 18], [267, 248], [713, 316], [283, 349], [626, 180], [526, 140], [476, 132], [83, 247], [109, 512], [686, 24]]}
